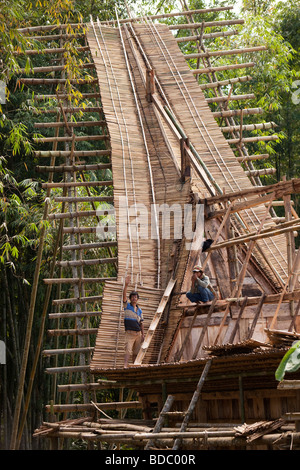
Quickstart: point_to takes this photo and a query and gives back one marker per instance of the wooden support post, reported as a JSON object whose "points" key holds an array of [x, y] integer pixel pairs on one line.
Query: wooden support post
{"points": [[159, 423], [257, 313], [237, 322], [193, 403], [204, 329]]}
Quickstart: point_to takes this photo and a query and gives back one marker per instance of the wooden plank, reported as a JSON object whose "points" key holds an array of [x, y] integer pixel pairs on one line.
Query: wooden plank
{"points": [[155, 321]]}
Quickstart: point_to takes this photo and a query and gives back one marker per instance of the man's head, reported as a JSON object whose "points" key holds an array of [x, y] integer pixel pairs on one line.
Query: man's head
{"points": [[198, 270], [134, 297]]}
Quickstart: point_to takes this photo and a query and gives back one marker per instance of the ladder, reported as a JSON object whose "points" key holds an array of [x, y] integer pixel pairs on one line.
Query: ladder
{"points": [[155, 321]]}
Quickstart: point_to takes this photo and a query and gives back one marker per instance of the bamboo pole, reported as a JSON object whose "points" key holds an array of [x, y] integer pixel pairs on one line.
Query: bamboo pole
{"points": [[193, 403], [222, 68], [230, 81], [224, 52], [207, 36], [207, 24]]}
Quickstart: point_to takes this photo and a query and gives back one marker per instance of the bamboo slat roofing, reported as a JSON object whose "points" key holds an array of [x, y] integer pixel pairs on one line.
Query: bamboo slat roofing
{"points": [[133, 165], [193, 113], [257, 367]]}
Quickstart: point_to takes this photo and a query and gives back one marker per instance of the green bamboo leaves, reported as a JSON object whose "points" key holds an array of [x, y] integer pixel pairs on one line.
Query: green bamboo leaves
{"points": [[290, 362]]}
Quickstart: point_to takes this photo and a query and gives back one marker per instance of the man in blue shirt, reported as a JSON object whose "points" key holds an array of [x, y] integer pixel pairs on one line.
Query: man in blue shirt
{"points": [[133, 323]]}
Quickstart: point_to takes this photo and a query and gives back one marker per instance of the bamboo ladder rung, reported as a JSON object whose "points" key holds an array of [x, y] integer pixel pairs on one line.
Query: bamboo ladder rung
{"points": [[54, 352], [76, 184], [56, 68], [73, 332], [67, 153], [86, 262], [87, 246], [221, 68], [76, 138], [75, 300], [77, 280], [84, 199], [52, 125], [72, 168], [53, 316], [71, 215]]}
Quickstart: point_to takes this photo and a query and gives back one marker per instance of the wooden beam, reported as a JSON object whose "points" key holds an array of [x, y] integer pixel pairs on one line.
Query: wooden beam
{"points": [[287, 187]]}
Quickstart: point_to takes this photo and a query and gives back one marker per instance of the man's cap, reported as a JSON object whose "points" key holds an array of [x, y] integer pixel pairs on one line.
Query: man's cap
{"points": [[197, 268]]}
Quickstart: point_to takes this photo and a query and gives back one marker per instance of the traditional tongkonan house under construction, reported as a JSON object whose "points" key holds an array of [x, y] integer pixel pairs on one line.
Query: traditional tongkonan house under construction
{"points": [[147, 161]]}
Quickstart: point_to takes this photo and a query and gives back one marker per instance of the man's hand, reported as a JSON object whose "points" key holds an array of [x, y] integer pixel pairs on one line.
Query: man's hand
{"points": [[127, 280]]}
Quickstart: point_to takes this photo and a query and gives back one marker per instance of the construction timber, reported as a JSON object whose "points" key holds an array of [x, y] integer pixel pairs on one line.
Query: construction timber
{"points": [[158, 131]]}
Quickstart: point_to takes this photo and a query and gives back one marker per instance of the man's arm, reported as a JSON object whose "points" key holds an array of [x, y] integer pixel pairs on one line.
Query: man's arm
{"points": [[127, 280], [142, 330]]}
